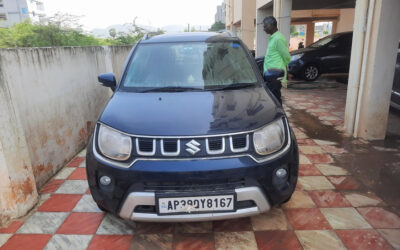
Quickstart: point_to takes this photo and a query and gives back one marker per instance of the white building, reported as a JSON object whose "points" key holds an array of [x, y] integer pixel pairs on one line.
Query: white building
{"points": [[220, 16], [16, 11]]}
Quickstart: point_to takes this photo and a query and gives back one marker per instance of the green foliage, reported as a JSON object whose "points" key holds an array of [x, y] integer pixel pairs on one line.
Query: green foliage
{"points": [[325, 32], [292, 29], [63, 30], [217, 26], [294, 34]]}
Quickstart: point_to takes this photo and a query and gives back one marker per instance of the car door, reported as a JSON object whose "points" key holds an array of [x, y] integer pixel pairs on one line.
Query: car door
{"points": [[336, 54]]}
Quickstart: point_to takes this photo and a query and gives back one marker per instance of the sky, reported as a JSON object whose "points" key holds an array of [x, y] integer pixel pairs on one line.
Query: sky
{"points": [[156, 13]]}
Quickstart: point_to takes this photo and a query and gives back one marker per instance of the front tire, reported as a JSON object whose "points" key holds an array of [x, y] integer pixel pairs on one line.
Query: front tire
{"points": [[310, 72]]}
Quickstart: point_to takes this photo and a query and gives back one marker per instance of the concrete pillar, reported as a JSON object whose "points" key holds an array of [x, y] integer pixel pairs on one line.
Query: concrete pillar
{"points": [[247, 22], [282, 13], [261, 36], [310, 33], [375, 43], [17, 184]]}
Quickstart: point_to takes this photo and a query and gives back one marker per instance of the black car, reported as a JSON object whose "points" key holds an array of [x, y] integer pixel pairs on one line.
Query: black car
{"points": [[330, 54], [395, 102]]}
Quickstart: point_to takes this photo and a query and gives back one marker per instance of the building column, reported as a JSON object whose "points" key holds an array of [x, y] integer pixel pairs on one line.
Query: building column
{"points": [[373, 58], [261, 36], [310, 33], [17, 184], [282, 13]]}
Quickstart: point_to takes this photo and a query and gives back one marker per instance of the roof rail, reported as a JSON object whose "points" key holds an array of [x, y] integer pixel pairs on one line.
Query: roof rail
{"points": [[227, 32]]}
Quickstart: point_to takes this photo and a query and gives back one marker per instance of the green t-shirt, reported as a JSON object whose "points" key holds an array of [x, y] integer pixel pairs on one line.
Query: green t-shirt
{"points": [[277, 55]]}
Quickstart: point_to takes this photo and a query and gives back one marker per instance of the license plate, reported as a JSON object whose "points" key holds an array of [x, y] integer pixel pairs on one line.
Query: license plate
{"points": [[196, 204]]}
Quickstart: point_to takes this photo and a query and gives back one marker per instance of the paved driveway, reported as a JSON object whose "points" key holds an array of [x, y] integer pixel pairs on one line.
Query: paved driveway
{"points": [[330, 209]]}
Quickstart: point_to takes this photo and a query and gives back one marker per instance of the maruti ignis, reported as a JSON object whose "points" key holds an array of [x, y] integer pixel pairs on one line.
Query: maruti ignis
{"points": [[191, 133]]}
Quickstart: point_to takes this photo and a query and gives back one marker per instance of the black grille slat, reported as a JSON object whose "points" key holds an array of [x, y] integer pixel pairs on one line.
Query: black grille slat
{"points": [[195, 186], [146, 145], [215, 144], [170, 146], [239, 142]]}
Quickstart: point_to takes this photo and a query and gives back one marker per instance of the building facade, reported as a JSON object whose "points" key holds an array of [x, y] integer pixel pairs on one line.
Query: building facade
{"points": [[220, 16], [16, 11]]}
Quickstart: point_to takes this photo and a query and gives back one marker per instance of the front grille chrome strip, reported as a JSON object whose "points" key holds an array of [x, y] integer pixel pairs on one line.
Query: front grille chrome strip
{"points": [[178, 142], [239, 150], [215, 152], [144, 153]]}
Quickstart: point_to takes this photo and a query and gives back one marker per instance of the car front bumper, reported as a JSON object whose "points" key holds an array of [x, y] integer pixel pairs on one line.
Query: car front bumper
{"points": [[132, 191]]}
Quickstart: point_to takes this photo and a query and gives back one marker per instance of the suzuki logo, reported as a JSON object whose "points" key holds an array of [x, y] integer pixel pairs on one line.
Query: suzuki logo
{"points": [[193, 147]]}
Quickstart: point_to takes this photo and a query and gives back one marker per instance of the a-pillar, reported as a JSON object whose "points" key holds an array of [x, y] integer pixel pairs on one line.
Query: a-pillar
{"points": [[375, 41], [282, 13], [310, 33], [17, 184]]}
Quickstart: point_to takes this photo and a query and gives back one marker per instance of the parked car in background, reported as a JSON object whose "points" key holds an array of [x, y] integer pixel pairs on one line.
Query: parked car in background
{"points": [[330, 54], [191, 133], [395, 101]]}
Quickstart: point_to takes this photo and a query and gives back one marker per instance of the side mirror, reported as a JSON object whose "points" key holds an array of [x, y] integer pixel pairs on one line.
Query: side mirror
{"points": [[108, 80]]}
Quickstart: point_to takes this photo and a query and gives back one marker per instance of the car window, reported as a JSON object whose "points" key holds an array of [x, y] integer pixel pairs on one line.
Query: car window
{"points": [[322, 42], [189, 64]]}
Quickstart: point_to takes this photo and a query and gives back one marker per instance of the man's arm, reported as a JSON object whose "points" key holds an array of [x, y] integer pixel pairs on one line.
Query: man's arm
{"points": [[283, 50]]}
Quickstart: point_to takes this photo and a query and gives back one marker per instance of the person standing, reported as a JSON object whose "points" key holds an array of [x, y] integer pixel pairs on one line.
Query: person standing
{"points": [[277, 55]]}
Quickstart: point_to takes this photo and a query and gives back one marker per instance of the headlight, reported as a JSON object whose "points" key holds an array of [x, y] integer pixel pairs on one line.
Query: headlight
{"points": [[296, 57], [270, 138], [113, 144]]}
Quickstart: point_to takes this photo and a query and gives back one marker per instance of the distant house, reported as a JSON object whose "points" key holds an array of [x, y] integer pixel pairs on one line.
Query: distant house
{"points": [[16, 11]]}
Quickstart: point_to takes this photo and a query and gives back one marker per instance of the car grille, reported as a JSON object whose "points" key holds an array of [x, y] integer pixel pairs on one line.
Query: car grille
{"points": [[192, 147]]}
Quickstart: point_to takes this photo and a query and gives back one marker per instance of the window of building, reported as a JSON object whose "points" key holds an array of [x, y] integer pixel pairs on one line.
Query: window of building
{"points": [[1, 3], [3, 17]]}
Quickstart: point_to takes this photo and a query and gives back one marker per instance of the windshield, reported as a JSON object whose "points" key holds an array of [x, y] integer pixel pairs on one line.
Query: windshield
{"points": [[322, 42], [188, 65]]}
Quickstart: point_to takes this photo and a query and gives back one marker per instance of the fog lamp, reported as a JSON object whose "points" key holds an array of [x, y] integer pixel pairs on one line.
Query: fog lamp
{"points": [[105, 180], [281, 173]]}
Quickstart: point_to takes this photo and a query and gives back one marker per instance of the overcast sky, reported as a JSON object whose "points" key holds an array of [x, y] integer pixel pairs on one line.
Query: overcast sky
{"points": [[157, 13]]}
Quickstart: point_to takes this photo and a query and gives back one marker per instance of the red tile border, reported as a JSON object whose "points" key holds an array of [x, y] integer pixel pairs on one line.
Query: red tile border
{"points": [[380, 218], [363, 239], [329, 199], [110, 242], [344, 182], [60, 203], [74, 163], [276, 240], [12, 228], [81, 223], [307, 219], [320, 158], [27, 241], [78, 174], [234, 225], [186, 241], [51, 186], [308, 170]]}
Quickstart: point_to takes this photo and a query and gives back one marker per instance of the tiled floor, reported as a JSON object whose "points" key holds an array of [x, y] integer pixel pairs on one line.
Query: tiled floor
{"points": [[330, 209]]}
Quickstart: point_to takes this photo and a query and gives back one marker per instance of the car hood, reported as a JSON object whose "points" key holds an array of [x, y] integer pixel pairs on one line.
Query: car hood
{"points": [[302, 51], [190, 113]]}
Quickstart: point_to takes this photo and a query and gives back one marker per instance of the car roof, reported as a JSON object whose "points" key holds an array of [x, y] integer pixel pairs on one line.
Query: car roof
{"points": [[191, 37]]}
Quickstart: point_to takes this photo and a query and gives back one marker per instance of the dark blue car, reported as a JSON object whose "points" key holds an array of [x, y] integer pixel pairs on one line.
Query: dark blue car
{"points": [[191, 133]]}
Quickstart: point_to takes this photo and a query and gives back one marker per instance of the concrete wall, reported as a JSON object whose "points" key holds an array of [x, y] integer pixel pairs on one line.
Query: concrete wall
{"points": [[50, 100], [345, 20]]}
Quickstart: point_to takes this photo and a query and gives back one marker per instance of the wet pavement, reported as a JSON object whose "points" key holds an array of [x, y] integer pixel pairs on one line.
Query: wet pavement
{"points": [[347, 197]]}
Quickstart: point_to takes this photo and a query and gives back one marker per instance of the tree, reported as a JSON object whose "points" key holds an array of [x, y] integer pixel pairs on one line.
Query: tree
{"points": [[112, 32], [217, 26]]}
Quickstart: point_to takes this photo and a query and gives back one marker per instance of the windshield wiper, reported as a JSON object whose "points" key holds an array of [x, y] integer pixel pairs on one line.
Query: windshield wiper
{"points": [[235, 86], [171, 89]]}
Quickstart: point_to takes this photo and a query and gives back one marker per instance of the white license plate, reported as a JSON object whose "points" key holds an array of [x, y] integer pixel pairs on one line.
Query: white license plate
{"points": [[196, 204]]}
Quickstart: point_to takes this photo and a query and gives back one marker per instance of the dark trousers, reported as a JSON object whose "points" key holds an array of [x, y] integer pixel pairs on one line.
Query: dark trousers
{"points": [[275, 87]]}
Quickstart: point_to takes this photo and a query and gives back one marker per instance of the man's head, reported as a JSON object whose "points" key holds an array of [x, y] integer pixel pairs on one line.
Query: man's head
{"points": [[270, 25]]}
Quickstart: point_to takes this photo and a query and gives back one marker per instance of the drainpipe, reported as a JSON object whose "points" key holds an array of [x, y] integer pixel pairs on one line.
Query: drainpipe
{"points": [[357, 64]]}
